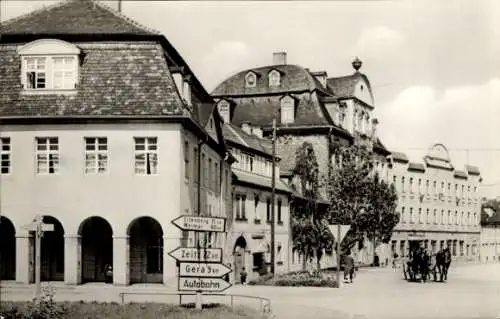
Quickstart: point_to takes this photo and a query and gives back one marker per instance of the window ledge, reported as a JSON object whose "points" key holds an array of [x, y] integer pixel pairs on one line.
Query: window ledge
{"points": [[48, 92], [241, 219]]}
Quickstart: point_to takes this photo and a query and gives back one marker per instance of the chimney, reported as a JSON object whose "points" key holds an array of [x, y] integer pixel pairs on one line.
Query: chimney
{"points": [[115, 5], [257, 131], [279, 58], [246, 127], [321, 76]]}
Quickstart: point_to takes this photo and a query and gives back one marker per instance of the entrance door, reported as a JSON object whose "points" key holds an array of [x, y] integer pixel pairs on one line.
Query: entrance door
{"points": [[239, 263]]}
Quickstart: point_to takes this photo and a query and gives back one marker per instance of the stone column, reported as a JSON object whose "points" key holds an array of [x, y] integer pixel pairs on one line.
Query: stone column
{"points": [[121, 260], [24, 259], [72, 259], [170, 270]]}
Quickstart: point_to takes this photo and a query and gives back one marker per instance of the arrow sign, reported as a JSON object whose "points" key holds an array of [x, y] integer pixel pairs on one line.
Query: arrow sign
{"points": [[343, 231], [203, 270], [185, 254], [200, 223], [203, 284]]}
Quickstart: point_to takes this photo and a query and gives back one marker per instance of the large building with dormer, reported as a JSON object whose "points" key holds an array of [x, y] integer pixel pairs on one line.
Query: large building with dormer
{"points": [[103, 126], [439, 204], [308, 107]]}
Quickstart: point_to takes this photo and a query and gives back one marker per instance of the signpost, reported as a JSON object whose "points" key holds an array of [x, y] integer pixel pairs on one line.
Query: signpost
{"points": [[201, 224], [200, 269], [39, 228]]}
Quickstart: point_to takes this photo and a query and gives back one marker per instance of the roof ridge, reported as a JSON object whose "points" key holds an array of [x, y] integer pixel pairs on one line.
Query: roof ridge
{"points": [[123, 16], [60, 3]]}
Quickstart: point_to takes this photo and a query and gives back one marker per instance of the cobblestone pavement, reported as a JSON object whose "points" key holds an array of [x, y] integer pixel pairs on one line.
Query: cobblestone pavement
{"points": [[472, 292]]}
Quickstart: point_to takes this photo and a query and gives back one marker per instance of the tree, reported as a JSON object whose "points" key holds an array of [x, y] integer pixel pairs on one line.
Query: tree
{"points": [[310, 233], [359, 197]]}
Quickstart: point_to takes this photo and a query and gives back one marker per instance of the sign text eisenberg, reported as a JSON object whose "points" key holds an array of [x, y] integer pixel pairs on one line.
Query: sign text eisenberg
{"points": [[200, 223]]}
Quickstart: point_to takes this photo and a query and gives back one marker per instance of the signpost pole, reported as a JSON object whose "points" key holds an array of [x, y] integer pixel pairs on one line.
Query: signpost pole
{"points": [[338, 255], [38, 260], [273, 204]]}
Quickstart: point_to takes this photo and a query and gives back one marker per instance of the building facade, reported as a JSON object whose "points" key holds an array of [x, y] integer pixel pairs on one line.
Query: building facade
{"points": [[249, 236], [103, 125], [490, 236], [309, 107], [439, 205]]}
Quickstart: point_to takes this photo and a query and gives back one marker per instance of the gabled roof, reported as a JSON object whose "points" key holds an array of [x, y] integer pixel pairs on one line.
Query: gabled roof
{"points": [[472, 170], [74, 17], [236, 136], [344, 86], [400, 157], [294, 78], [246, 178], [115, 79]]}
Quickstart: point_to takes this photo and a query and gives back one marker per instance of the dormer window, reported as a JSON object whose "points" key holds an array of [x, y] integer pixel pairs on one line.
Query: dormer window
{"points": [[287, 110], [251, 80], [49, 65], [274, 78]]}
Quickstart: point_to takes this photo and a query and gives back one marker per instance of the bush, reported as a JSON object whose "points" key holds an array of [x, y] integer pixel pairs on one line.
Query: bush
{"points": [[46, 308], [297, 279]]}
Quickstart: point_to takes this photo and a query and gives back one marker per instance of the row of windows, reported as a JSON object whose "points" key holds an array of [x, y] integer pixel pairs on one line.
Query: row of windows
{"points": [[470, 250], [416, 186], [274, 79], [240, 208], [96, 158], [210, 168], [438, 218], [252, 163]]}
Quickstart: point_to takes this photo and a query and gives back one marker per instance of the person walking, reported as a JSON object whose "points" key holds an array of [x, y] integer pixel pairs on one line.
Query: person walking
{"points": [[243, 276], [348, 268]]}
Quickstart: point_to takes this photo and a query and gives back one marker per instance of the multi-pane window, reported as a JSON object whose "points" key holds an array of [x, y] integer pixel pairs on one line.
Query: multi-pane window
{"points": [[36, 73], [217, 178], [419, 185], [434, 217], [411, 215], [434, 186], [468, 219], [146, 155], [449, 218], [427, 186], [96, 154], [256, 207], [427, 216], [204, 160], [411, 184], [186, 160], [195, 164], [64, 72], [456, 218], [239, 203], [420, 217], [403, 184], [5, 155], [47, 155]]}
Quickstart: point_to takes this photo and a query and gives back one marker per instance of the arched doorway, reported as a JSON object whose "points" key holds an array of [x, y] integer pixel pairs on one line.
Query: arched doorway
{"points": [[7, 249], [97, 248], [239, 257], [146, 251], [52, 252]]}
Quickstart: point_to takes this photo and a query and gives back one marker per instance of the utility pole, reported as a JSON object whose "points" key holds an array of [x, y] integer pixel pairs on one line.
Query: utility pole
{"points": [[338, 254], [273, 186]]}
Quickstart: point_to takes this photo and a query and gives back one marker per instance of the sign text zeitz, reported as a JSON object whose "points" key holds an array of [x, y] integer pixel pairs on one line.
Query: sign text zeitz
{"points": [[186, 254]]}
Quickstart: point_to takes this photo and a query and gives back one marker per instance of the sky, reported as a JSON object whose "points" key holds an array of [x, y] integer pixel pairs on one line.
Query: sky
{"points": [[433, 65]]}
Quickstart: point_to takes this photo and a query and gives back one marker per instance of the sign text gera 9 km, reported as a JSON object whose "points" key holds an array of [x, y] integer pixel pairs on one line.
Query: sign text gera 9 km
{"points": [[200, 223]]}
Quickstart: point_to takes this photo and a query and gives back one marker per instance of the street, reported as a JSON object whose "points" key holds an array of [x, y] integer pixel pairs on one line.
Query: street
{"points": [[472, 291]]}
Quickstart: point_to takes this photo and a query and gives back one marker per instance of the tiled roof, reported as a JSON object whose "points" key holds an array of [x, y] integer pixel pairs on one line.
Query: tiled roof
{"points": [[460, 174], [294, 78], [472, 170], [115, 79], [259, 180], [234, 134], [345, 86], [263, 109], [401, 157], [416, 167], [78, 17]]}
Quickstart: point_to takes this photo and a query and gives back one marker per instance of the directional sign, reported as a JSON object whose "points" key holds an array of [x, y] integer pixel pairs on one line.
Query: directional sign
{"points": [[211, 255], [200, 223], [203, 284], [343, 231], [203, 270]]}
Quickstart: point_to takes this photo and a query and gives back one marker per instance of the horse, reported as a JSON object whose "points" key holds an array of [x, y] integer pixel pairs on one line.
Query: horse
{"points": [[443, 262]]}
